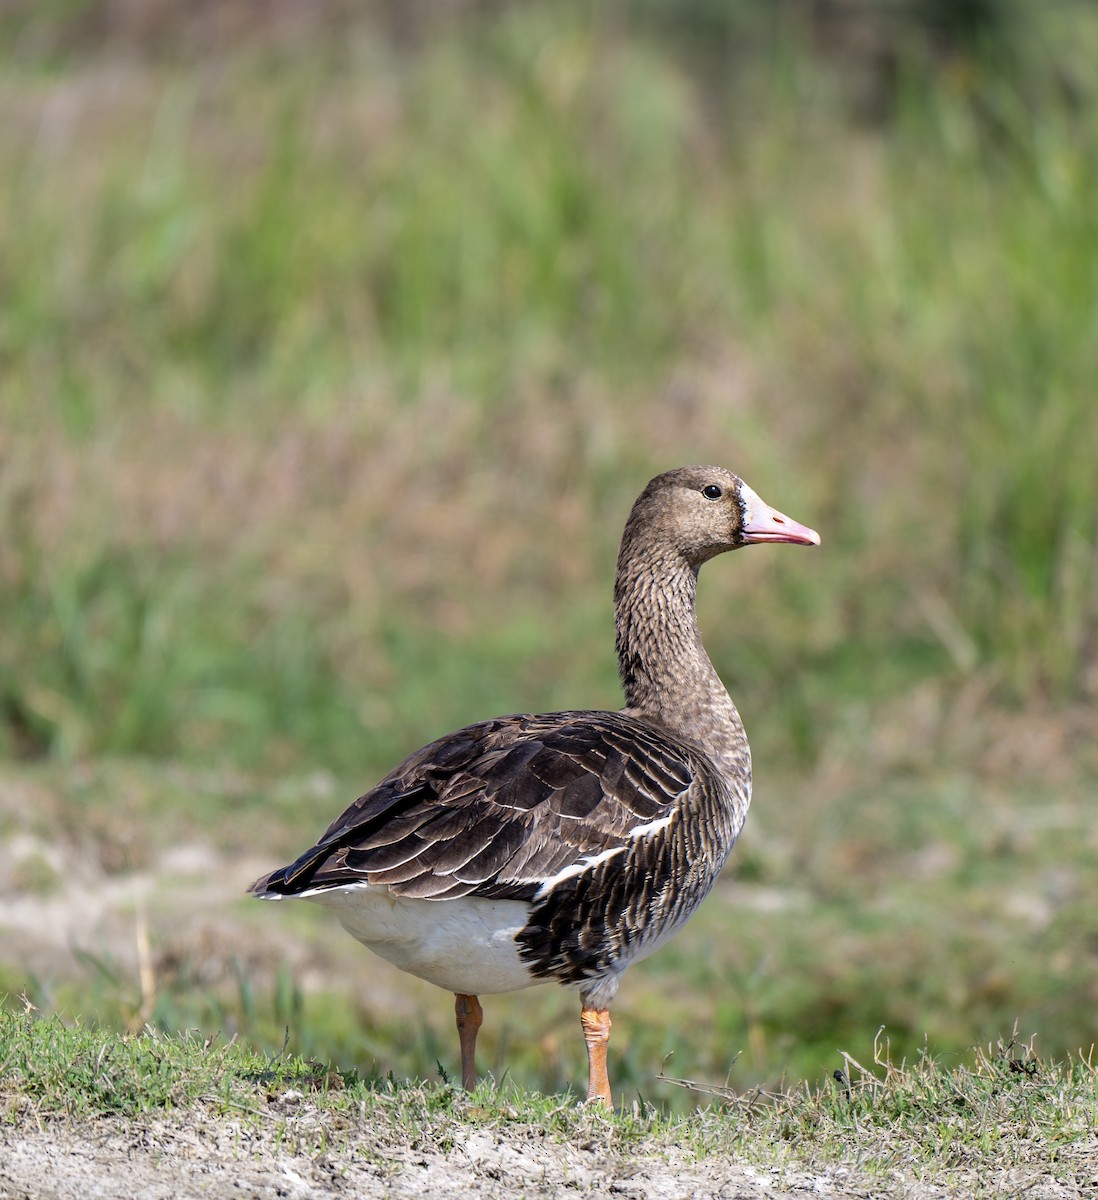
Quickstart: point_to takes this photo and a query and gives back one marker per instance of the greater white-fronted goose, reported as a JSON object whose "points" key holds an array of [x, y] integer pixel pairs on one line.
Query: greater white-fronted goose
{"points": [[565, 846]]}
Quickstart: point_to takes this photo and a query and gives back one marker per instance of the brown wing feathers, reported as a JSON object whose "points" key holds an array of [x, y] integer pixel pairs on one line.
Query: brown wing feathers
{"points": [[497, 808]]}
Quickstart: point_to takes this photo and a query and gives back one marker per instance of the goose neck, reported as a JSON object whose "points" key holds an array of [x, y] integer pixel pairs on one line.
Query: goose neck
{"points": [[665, 672]]}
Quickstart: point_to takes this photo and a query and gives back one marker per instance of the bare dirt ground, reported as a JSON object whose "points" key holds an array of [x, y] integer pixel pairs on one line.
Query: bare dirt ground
{"points": [[166, 1158], [198, 1154]]}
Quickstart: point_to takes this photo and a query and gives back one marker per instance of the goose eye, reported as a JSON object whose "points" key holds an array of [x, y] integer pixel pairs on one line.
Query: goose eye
{"points": [[712, 492]]}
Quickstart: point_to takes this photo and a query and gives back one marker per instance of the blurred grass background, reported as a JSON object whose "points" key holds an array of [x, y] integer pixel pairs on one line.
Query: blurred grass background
{"points": [[336, 341]]}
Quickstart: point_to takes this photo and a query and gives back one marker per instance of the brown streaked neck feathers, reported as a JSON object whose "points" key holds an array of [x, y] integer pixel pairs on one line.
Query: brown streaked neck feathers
{"points": [[665, 672]]}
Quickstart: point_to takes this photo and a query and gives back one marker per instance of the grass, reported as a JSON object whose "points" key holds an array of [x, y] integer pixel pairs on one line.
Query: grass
{"points": [[511, 326], [972, 1127], [328, 379]]}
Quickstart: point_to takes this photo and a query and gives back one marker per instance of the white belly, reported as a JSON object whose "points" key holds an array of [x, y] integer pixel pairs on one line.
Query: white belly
{"points": [[465, 945]]}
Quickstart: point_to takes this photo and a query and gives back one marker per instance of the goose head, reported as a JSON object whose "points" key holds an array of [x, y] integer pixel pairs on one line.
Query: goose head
{"points": [[699, 512]]}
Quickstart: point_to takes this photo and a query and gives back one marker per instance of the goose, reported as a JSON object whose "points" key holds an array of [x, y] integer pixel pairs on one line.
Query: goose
{"points": [[563, 847]]}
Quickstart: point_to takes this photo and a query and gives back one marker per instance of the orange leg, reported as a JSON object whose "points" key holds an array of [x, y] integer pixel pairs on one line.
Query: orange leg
{"points": [[596, 1033], [470, 1017]]}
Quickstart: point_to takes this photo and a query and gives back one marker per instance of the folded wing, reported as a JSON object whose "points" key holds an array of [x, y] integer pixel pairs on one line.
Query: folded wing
{"points": [[500, 809]]}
